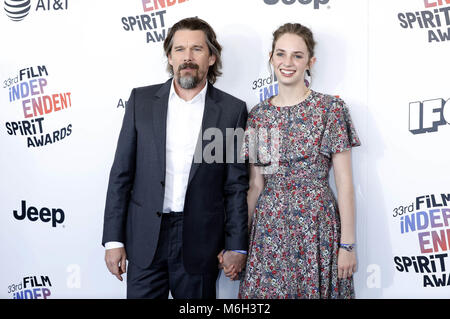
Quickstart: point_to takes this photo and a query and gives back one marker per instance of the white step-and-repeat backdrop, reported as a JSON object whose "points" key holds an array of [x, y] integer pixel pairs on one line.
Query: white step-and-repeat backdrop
{"points": [[67, 68]]}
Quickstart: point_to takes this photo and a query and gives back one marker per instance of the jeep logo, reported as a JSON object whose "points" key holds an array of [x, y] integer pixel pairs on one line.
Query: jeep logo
{"points": [[55, 215]]}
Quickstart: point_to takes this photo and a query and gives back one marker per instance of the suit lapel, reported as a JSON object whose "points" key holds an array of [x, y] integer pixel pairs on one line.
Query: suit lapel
{"points": [[210, 119], [159, 117]]}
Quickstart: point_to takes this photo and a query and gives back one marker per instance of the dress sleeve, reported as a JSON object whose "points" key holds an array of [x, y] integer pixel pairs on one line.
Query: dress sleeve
{"points": [[339, 134], [257, 143], [250, 137]]}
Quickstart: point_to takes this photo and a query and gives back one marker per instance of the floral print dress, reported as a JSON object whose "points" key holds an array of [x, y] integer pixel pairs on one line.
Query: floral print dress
{"points": [[295, 232]]}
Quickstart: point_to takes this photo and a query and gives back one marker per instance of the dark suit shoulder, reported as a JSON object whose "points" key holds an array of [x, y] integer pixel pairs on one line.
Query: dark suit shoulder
{"points": [[148, 90], [153, 88], [227, 96], [229, 101]]}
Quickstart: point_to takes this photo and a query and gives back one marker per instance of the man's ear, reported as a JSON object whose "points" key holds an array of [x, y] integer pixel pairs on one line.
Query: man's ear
{"points": [[212, 59], [169, 59]]}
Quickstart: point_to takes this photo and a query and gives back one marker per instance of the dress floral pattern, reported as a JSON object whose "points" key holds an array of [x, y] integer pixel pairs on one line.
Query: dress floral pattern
{"points": [[295, 232]]}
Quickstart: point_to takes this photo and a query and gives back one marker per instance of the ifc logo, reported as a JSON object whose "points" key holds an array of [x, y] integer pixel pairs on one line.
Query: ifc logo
{"points": [[17, 10]]}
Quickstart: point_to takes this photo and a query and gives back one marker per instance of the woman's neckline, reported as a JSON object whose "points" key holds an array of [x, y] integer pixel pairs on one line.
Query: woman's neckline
{"points": [[305, 98]]}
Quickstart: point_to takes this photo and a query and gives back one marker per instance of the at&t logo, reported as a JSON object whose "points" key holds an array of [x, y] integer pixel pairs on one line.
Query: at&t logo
{"points": [[17, 10]]}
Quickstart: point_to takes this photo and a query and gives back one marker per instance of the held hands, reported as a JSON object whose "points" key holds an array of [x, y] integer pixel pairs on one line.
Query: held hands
{"points": [[232, 263], [346, 263], [116, 261]]}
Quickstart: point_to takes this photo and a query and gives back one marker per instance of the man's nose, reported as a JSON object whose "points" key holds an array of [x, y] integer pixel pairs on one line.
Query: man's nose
{"points": [[187, 55]]}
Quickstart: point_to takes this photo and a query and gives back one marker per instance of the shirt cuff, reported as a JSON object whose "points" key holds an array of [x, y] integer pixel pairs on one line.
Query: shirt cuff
{"points": [[113, 244]]}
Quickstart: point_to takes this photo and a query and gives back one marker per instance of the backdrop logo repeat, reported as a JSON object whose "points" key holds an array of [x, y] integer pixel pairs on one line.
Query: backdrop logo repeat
{"points": [[317, 3], [435, 19], [152, 22], [54, 216], [266, 87], [28, 89], [427, 222], [122, 103], [31, 287], [17, 10], [428, 115]]}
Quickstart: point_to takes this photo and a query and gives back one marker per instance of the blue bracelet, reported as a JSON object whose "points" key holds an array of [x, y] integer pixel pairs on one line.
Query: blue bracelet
{"points": [[348, 247], [243, 252]]}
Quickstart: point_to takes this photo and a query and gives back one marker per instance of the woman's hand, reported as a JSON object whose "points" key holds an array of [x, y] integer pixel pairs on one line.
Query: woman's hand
{"points": [[346, 263]]}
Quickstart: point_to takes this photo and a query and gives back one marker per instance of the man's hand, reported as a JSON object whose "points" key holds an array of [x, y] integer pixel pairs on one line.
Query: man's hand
{"points": [[116, 261], [232, 263]]}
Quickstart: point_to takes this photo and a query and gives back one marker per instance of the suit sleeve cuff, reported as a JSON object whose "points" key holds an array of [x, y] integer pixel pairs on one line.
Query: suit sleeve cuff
{"points": [[113, 244]]}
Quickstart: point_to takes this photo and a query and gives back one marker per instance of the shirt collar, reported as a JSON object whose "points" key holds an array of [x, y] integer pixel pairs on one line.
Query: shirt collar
{"points": [[199, 97]]}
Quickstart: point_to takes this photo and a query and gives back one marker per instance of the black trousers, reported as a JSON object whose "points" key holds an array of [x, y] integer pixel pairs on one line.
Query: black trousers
{"points": [[167, 271]]}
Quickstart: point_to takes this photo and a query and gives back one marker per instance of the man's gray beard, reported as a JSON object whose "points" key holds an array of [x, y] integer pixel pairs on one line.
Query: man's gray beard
{"points": [[188, 82]]}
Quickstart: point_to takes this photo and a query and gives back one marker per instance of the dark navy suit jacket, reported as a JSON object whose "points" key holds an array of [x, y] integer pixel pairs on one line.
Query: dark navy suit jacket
{"points": [[215, 208]]}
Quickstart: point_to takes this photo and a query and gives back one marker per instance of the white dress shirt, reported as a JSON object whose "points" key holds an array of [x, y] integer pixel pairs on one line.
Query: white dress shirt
{"points": [[184, 121]]}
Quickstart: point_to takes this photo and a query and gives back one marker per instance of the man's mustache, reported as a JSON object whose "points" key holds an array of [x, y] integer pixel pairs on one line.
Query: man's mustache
{"points": [[188, 65]]}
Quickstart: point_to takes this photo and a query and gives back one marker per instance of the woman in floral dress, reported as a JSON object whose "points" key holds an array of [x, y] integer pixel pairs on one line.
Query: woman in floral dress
{"points": [[301, 237]]}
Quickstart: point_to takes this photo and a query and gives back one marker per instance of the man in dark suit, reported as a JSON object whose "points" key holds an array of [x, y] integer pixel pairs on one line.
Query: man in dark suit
{"points": [[170, 214]]}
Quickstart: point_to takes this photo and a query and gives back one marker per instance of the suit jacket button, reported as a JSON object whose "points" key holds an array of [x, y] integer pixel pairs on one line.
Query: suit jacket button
{"points": [[163, 184], [158, 214]]}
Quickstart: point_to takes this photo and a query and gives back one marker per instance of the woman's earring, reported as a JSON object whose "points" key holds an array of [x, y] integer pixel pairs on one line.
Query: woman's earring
{"points": [[308, 81]]}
